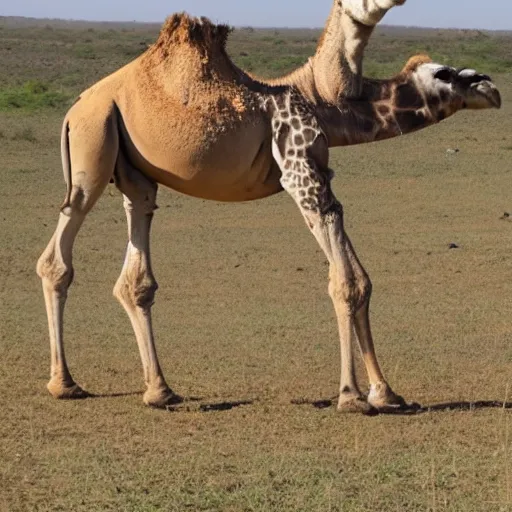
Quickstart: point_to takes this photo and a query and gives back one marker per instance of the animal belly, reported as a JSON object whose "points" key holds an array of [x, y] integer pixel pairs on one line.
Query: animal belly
{"points": [[225, 170], [211, 151], [216, 184]]}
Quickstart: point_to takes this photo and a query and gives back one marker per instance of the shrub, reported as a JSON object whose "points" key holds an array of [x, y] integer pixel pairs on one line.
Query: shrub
{"points": [[32, 95]]}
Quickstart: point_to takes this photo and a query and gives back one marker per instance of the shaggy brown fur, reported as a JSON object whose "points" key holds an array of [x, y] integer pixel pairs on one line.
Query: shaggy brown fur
{"points": [[180, 28], [325, 31]]}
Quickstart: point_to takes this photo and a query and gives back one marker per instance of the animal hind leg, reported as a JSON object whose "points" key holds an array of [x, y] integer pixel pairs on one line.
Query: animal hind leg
{"points": [[56, 272], [135, 289], [87, 174]]}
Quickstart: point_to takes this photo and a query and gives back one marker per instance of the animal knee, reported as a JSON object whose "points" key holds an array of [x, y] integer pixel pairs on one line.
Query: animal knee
{"points": [[365, 291], [137, 287], [354, 292], [53, 271], [144, 292], [339, 289]]}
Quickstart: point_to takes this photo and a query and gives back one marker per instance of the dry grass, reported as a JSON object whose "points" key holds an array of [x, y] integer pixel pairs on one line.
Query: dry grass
{"points": [[242, 315]]}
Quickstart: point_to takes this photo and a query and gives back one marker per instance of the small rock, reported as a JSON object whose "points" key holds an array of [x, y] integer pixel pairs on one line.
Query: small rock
{"points": [[505, 216], [453, 246], [452, 151]]}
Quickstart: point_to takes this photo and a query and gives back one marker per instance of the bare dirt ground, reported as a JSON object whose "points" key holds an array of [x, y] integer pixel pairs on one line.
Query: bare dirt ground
{"points": [[242, 318]]}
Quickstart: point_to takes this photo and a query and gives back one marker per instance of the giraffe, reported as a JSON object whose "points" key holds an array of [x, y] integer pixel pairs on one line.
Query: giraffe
{"points": [[423, 94], [171, 116]]}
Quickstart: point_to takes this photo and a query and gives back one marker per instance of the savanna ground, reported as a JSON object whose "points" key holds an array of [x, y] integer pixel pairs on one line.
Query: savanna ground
{"points": [[243, 315]]}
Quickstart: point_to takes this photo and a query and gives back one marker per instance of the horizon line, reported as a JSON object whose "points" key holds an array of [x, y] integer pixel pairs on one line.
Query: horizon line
{"points": [[276, 27]]}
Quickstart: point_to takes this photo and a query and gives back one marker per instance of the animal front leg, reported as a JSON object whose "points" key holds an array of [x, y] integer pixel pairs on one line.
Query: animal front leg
{"points": [[347, 289], [301, 151], [357, 297], [350, 289], [309, 186], [381, 396]]}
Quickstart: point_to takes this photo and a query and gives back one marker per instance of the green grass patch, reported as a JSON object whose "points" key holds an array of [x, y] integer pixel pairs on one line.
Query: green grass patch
{"points": [[85, 51], [32, 95]]}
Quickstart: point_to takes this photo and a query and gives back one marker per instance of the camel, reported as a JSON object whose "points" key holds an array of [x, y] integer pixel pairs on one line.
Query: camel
{"points": [[174, 115]]}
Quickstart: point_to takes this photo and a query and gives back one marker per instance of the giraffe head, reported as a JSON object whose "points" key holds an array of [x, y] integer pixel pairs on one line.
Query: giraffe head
{"points": [[368, 12], [422, 94], [452, 89]]}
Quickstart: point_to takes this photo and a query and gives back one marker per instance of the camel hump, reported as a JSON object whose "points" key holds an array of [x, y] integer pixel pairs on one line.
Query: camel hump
{"points": [[180, 28]]}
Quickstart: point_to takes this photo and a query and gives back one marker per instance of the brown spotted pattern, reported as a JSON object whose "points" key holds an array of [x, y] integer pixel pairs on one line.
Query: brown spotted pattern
{"points": [[295, 130], [401, 107]]}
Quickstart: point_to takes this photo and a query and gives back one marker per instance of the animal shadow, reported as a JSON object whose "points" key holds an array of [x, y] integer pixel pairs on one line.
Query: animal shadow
{"points": [[414, 408], [186, 404], [465, 406], [113, 395], [224, 406], [193, 404]]}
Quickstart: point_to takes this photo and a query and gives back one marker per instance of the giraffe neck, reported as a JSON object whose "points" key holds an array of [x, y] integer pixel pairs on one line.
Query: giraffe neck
{"points": [[387, 109]]}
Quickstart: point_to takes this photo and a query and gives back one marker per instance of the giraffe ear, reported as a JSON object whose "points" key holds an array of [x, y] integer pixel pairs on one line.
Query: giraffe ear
{"points": [[444, 74]]}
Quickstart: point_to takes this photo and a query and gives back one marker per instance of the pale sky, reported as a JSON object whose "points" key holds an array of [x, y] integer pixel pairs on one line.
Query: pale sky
{"points": [[487, 14]]}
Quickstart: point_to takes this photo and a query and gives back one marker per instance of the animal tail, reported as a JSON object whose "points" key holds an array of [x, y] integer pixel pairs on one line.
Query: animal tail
{"points": [[66, 167]]}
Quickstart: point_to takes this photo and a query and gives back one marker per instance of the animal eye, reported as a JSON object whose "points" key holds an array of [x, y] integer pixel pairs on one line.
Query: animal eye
{"points": [[444, 74]]}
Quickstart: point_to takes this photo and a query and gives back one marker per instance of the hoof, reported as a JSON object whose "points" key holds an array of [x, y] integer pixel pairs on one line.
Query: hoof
{"points": [[66, 390], [161, 398], [384, 399], [356, 405]]}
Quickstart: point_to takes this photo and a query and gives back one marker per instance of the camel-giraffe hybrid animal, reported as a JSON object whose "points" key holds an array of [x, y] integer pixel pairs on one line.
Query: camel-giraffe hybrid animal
{"points": [[173, 116]]}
